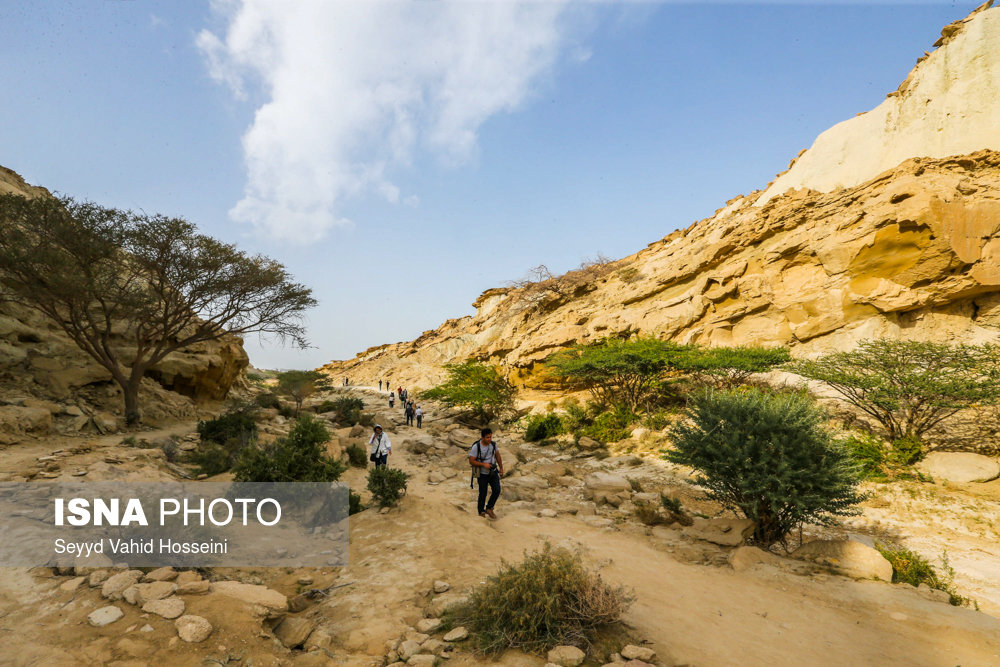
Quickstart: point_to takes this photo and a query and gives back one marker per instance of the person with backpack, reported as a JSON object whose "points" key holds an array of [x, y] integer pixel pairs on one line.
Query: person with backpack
{"points": [[485, 459], [420, 416], [392, 399], [381, 447], [409, 414]]}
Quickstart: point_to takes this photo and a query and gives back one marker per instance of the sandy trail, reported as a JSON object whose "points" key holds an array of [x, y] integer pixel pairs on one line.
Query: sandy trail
{"points": [[699, 615]]}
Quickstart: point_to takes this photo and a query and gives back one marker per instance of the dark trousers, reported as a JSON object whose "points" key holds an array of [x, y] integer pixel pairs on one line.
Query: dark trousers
{"points": [[489, 481], [409, 420], [420, 419], [381, 460]]}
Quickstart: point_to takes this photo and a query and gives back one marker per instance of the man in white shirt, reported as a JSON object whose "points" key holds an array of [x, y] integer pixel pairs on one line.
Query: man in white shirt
{"points": [[485, 457]]}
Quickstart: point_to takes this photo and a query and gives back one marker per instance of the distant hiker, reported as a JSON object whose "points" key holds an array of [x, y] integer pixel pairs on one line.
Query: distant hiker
{"points": [[420, 416], [486, 458], [409, 414], [380, 385], [381, 447], [392, 399]]}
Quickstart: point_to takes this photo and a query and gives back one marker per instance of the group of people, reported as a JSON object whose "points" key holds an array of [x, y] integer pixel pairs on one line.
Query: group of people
{"points": [[484, 457]]}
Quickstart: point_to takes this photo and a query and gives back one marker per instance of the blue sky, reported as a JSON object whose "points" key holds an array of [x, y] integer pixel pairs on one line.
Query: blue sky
{"points": [[400, 158]]}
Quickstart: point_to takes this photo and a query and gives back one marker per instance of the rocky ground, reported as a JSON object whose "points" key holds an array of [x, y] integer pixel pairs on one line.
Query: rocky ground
{"points": [[700, 597]]}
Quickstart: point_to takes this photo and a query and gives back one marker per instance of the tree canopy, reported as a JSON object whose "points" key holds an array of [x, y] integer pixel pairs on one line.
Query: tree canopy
{"points": [[479, 387], [130, 288]]}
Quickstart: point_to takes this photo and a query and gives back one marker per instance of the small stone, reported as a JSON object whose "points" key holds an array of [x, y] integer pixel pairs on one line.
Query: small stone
{"points": [[167, 608], [422, 659], [97, 577], [146, 628], [116, 584], [294, 630], [305, 581], [441, 586], [548, 513], [566, 656], [428, 625], [72, 584], [633, 652], [161, 574], [194, 588], [407, 649], [193, 629], [456, 635], [105, 615], [898, 616]]}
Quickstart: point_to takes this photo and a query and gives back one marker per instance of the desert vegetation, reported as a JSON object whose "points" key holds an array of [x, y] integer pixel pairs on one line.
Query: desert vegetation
{"points": [[478, 388]]}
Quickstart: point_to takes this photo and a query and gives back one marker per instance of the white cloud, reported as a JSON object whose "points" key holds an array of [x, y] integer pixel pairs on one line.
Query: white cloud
{"points": [[357, 90]]}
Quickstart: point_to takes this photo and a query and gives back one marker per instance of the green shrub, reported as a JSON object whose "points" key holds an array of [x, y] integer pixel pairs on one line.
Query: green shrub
{"points": [[354, 502], [767, 457], [478, 387], [286, 411], [299, 457], [267, 400], [869, 453], [575, 416], [347, 409], [237, 424], [546, 600], [213, 459], [906, 451], [610, 426], [671, 504], [300, 385], [357, 455], [911, 568], [540, 427], [387, 485], [648, 514], [658, 419]]}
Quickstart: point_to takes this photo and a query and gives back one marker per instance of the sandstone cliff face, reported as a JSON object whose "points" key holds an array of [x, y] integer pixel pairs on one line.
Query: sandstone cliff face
{"points": [[38, 359], [877, 233]]}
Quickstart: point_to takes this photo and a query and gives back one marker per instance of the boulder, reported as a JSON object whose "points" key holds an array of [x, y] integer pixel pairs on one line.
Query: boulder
{"points": [[72, 584], [456, 635], [193, 629], [849, 557], [167, 608], [960, 467], [154, 591], [745, 558], [161, 574], [17, 419], [294, 630], [566, 656], [606, 487], [420, 444], [103, 616], [442, 603], [724, 532], [407, 649], [428, 625], [464, 438], [588, 443], [251, 594], [441, 586]]}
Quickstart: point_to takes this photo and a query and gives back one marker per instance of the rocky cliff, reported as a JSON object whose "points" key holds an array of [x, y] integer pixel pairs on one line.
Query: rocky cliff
{"points": [[888, 226], [38, 360]]}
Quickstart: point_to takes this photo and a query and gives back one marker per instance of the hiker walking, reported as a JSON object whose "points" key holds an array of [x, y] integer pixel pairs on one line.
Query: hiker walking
{"points": [[380, 385], [409, 414], [392, 399], [420, 416], [485, 457], [381, 447]]}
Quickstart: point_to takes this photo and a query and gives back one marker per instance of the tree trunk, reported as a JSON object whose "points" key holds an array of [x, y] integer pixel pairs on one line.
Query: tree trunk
{"points": [[131, 389]]}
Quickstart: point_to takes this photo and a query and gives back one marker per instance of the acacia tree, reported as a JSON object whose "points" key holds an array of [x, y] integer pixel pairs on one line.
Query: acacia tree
{"points": [[300, 385], [130, 288], [909, 387], [476, 386], [618, 372]]}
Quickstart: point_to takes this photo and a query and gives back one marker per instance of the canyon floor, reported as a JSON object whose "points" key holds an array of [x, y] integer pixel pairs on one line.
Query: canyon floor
{"points": [[691, 606]]}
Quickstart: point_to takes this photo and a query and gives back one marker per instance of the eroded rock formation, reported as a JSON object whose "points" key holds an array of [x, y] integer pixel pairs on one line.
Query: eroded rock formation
{"points": [[877, 230]]}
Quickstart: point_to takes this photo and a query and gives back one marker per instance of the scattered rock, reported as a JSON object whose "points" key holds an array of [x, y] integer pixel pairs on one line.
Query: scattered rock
{"points": [[407, 649], [588, 443], [850, 557], [428, 625], [606, 487], [566, 656], [97, 578], [167, 608], [161, 574], [960, 467], [456, 635], [251, 594], [194, 588], [154, 591], [548, 513], [294, 630], [193, 629], [423, 659], [441, 586], [745, 558], [105, 615], [72, 584], [442, 603], [633, 652], [116, 584], [724, 532]]}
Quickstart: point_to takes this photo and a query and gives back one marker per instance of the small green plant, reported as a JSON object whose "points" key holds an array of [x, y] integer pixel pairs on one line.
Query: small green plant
{"points": [[658, 420], [869, 452], [540, 427], [767, 457], [387, 485], [906, 451], [346, 409], [354, 503], [299, 457], [130, 441], [630, 275], [267, 400], [357, 455], [610, 426], [671, 504], [911, 568], [635, 484], [235, 424], [546, 600]]}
